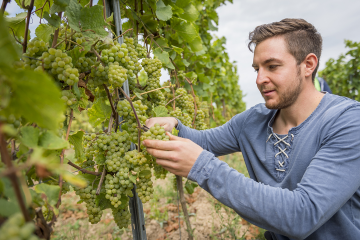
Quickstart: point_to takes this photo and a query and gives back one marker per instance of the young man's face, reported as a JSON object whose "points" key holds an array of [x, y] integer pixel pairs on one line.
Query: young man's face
{"points": [[279, 77]]}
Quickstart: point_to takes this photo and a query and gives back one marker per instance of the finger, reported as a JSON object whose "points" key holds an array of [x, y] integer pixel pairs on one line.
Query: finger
{"points": [[169, 155], [159, 144], [175, 138], [168, 165]]}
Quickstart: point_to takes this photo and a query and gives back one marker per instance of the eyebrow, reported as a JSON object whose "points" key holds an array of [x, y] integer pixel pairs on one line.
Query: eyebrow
{"points": [[267, 61]]}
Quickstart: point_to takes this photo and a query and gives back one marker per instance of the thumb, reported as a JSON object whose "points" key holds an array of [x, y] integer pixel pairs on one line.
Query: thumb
{"points": [[175, 138]]}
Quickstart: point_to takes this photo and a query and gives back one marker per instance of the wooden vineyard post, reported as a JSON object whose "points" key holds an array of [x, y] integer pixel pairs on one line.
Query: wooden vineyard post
{"points": [[135, 204]]}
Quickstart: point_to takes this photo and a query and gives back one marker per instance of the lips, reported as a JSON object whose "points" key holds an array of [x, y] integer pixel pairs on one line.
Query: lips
{"points": [[268, 92]]}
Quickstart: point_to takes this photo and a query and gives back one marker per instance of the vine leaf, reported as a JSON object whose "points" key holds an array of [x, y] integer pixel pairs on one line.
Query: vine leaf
{"points": [[100, 159], [36, 86], [160, 111], [7, 46], [51, 192], [73, 14], [56, 8], [99, 112], [29, 136], [53, 20], [74, 179], [17, 24], [49, 140], [44, 31], [8, 207], [138, 95], [145, 174], [39, 3], [75, 54], [162, 56], [190, 13], [132, 178], [186, 30], [76, 140], [91, 18], [62, 3], [190, 186], [196, 44], [163, 12]]}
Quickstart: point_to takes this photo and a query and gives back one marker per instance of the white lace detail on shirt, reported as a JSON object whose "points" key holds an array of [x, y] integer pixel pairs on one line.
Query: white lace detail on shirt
{"points": [[281, 151]]}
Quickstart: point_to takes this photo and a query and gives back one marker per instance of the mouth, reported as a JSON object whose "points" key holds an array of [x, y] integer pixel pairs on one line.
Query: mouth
{"points": [[268, 92]]}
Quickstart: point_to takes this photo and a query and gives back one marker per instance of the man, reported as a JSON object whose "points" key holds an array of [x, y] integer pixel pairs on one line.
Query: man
{"points": [[301, 148]]}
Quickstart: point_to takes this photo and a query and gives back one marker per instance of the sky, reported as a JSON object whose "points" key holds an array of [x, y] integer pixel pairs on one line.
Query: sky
{"points": [[335, 20]]}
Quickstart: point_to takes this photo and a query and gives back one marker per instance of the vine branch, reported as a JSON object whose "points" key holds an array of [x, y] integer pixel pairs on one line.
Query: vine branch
{"points": [[62, 158], [110, 100], [149, 92], [183, 205], [56, 34], [5, 157], [3, 5], [173, 100], [122, 34], [27, 25], [83, 170]]}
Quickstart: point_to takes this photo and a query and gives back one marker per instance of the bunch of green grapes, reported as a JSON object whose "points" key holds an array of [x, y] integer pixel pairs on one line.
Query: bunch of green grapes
{"points": [[141, 51], [145, 189], [68, 97], [153, 70], [117, 74], [116, 186], [84, 63], [133, 65], [79, 38], [159, 171], [35, 48], [205, 107], [182, 116], [185, 102], [156, 132], [88, 195], [200, 120], [16, 228], [122, 217], [58, 64]]}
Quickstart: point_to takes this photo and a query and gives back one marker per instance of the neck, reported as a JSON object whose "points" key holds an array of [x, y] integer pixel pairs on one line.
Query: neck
{"points": [[299, 111]]}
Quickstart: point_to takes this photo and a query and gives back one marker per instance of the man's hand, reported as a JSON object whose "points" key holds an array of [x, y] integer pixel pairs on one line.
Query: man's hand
{"points": [[177, 155], [167, 122]]}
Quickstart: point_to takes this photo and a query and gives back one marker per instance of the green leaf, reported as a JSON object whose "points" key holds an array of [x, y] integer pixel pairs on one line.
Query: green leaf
{"points": [[177, 49], [73, 14], [56, 8], [185, 62], [49, 140], [182, 3], [132, 178], [163, 12], [99, 112], [7, 46], [40, 3], [51, 192], [186, 30], [191, 75], [62, 3], [160, 111], [17, 24], [76, 53], [88, 178], [163, 56], [75, 180], [190, 13], [102, 202], [8, 207], [138, 95], [145, 174], [190, 186], [29, 136], [37, 87], [76, 140], [53, 20], [44, 31], [92, 19], [175, 132], [124, 201], [196, 44], [100, 159]]}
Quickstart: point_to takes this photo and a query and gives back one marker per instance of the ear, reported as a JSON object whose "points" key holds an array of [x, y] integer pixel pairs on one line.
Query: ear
{"points": [[311, 61]]}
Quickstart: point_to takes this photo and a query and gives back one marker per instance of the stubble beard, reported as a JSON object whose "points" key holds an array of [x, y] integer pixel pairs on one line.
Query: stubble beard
{"points": [[289, 96]]}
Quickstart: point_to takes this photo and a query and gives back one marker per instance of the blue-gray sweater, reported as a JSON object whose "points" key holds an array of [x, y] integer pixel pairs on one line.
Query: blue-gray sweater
{"points": [[303, 186]]}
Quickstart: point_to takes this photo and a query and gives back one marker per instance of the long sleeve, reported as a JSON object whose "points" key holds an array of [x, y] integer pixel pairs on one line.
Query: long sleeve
{"points": [[329, 181], [220, 140]]}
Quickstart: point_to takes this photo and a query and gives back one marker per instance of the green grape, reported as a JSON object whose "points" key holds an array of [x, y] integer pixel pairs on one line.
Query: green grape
{"points": [[88, 195], [182, 116], [16, 228]]}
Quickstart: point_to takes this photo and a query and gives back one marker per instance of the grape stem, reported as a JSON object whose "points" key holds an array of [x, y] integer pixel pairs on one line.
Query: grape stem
{"points": [[149, 92], [193, 94], [183, 205], [101, 181], [5, 157], [83, 170], [3, 5], [136, 116], [173, 100], [62, 157], [130, 29], [64, 40], [56, 34], [173, 91], [110, 100], [24, 44]]}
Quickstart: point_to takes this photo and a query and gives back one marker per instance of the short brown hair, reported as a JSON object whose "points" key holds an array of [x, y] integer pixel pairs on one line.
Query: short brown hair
{"points": [[301, 37]]}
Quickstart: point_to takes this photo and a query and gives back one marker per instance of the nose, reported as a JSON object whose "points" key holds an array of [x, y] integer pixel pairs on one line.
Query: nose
{"points": [[261, 78]]}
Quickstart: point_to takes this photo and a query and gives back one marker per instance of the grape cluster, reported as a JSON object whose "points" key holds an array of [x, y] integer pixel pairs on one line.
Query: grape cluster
{"points": [[84, 63], [156, 132], [117, 74], [133, 65], [122, 217], [88, 195], [185, 102], [35, 48], [116, 186], [182, 116], [16, 228], [200, 120], [153, 70], [68, 97], [141, 51]]}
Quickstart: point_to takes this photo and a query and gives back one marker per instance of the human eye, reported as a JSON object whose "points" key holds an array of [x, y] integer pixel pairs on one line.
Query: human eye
{"points": [[273, 67], [256, 69]]}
